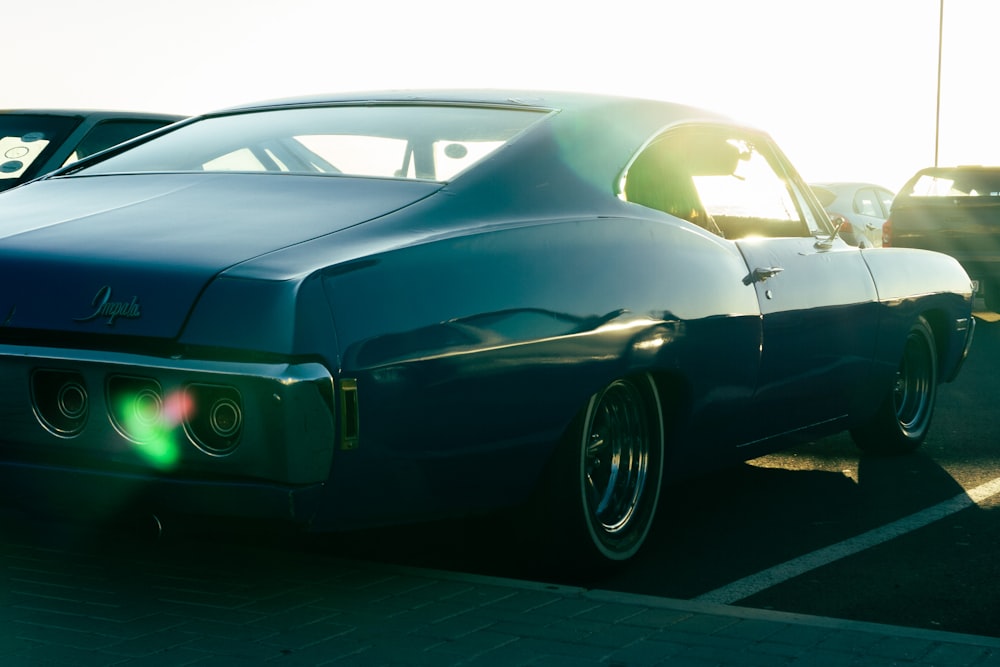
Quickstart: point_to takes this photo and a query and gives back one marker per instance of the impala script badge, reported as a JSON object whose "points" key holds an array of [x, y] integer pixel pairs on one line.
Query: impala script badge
{"points": [[105, 307]]}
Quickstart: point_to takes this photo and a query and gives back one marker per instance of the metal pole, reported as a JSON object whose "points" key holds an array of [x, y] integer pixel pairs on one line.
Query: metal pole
{"points": [[937, 119]]}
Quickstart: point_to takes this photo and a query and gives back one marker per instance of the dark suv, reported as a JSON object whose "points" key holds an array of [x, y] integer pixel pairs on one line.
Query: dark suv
{"points": [[954, 210]]}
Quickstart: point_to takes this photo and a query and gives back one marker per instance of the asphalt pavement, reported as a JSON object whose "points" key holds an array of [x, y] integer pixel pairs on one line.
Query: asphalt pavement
{"points": [[69, 596]]}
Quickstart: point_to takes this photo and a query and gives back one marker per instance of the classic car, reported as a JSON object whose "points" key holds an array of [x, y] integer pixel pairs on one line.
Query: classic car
{"points": [[37, 141], [365, 309]]}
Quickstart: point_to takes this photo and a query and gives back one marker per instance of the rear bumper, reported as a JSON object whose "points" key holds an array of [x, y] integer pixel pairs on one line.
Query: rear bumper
{"points": [[102, 434], [112, 411], [102, 495]]}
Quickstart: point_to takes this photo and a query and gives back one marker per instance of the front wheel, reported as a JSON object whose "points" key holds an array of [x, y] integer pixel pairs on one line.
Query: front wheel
{"points": [[904, 417], [606, 478]]}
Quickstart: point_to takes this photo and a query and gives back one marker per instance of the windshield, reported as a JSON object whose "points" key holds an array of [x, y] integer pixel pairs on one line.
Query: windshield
{"points": [[26, 141], [957, 183], [425, 142]]}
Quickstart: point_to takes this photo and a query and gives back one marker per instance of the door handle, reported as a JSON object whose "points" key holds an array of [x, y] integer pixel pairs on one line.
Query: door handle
{"points": [[761, 273]]}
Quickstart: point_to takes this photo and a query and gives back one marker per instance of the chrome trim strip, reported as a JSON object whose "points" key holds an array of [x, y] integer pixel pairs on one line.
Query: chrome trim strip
{"points": [[286, 374]]}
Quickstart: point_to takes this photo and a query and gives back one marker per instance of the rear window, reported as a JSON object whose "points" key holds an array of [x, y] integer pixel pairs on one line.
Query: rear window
{"points": [[956, 183], [109, 133], [26, 141], [426, 142]]}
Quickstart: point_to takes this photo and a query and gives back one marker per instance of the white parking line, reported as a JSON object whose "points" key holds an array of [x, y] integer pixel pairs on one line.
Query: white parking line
{"points": [[773, 576]]}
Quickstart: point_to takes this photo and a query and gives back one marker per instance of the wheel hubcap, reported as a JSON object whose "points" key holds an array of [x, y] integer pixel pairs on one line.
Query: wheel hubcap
{"points": [[912, 388], [617, 458]]}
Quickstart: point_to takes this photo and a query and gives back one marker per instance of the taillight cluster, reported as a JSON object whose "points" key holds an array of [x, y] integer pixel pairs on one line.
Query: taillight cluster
{"points": [[215, 419], [140, 410], [61, 401], [887, 232]]}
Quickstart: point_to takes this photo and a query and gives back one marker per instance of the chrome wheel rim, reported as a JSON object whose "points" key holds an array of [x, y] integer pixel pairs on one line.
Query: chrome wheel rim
{"points": [[914, 385], [616, 463]]}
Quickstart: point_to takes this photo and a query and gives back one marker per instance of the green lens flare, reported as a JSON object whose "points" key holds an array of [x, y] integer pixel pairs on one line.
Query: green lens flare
{"points": [[153, 427], [161, 451]]}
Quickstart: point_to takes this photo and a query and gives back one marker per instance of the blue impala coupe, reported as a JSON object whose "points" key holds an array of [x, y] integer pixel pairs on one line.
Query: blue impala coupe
{"points": [[353, 310]]}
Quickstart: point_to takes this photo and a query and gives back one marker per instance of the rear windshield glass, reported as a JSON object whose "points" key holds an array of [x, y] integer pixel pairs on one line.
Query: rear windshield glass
{"points": [[978, 183], [111, 132], [389, 141], [26, 142]]}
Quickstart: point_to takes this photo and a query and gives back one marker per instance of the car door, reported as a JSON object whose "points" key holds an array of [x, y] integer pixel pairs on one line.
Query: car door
{"points": [[819, 317], [817, 298]]}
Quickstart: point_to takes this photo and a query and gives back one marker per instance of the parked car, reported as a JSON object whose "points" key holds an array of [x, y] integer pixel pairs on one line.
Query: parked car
{"points": [[37, 141], [860, 209], [954, 210], [350, 310]]}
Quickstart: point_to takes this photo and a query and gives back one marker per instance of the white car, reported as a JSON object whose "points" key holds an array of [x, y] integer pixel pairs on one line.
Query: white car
{"points": [[862, 207]]}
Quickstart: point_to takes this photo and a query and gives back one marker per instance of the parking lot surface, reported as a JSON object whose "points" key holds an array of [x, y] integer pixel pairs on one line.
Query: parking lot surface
{"points": [[72, 597]]}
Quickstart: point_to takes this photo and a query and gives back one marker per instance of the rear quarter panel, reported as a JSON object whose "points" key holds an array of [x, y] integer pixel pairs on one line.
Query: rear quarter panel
{"points": [[473, 353], [912, 283]]}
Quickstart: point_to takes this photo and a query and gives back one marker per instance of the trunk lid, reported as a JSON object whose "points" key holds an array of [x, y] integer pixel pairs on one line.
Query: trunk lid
{"points": [[130, 254]]}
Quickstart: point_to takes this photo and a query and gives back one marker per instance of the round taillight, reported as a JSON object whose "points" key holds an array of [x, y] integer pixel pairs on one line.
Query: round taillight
{"points": [[60, 401], [135, 406], [214, 419]]}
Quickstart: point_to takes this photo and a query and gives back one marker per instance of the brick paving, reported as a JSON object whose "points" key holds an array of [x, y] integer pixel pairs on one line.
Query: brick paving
{"points": [[68, 599]]}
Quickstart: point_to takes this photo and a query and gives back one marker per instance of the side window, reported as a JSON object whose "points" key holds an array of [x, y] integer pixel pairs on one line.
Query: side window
{"points": [[866, 203], [659, 178], [718, 178]]}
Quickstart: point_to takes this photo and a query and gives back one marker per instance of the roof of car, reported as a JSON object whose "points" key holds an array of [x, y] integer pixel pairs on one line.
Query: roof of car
{"points": [[92, 113], [528, 99], [962, 167], [846, 185], [585, 118]]}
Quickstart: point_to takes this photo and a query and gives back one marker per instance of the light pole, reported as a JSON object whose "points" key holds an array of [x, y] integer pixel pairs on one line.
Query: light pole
{"points": [[937, 119]]}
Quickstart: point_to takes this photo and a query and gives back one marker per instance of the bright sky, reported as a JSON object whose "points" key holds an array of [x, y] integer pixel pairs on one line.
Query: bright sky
{"points": [[847, 87]]}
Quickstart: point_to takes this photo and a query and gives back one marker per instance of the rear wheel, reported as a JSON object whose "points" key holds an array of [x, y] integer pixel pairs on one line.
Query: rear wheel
{"points": [[904, 417], [606, 479]]}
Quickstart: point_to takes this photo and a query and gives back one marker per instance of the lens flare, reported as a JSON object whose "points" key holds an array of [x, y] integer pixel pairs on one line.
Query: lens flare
{"points": [[153, 423]]}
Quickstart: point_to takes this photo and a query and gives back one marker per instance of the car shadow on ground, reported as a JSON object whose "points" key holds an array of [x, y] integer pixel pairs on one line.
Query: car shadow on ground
{"points": [[935, 569], [710, 530]]}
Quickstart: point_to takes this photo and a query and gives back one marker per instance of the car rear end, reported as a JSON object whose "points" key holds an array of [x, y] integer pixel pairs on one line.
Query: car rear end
{"points": [[955, 211]]}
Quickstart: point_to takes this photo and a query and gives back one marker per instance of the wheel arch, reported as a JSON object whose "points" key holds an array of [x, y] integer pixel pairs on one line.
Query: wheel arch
{"points": [[951, 347], [938, 322], [674, 392]]}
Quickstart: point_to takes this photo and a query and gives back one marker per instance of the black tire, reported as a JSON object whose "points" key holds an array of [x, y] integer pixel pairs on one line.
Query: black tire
{"points": [[904, 417], [605, 481]]}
